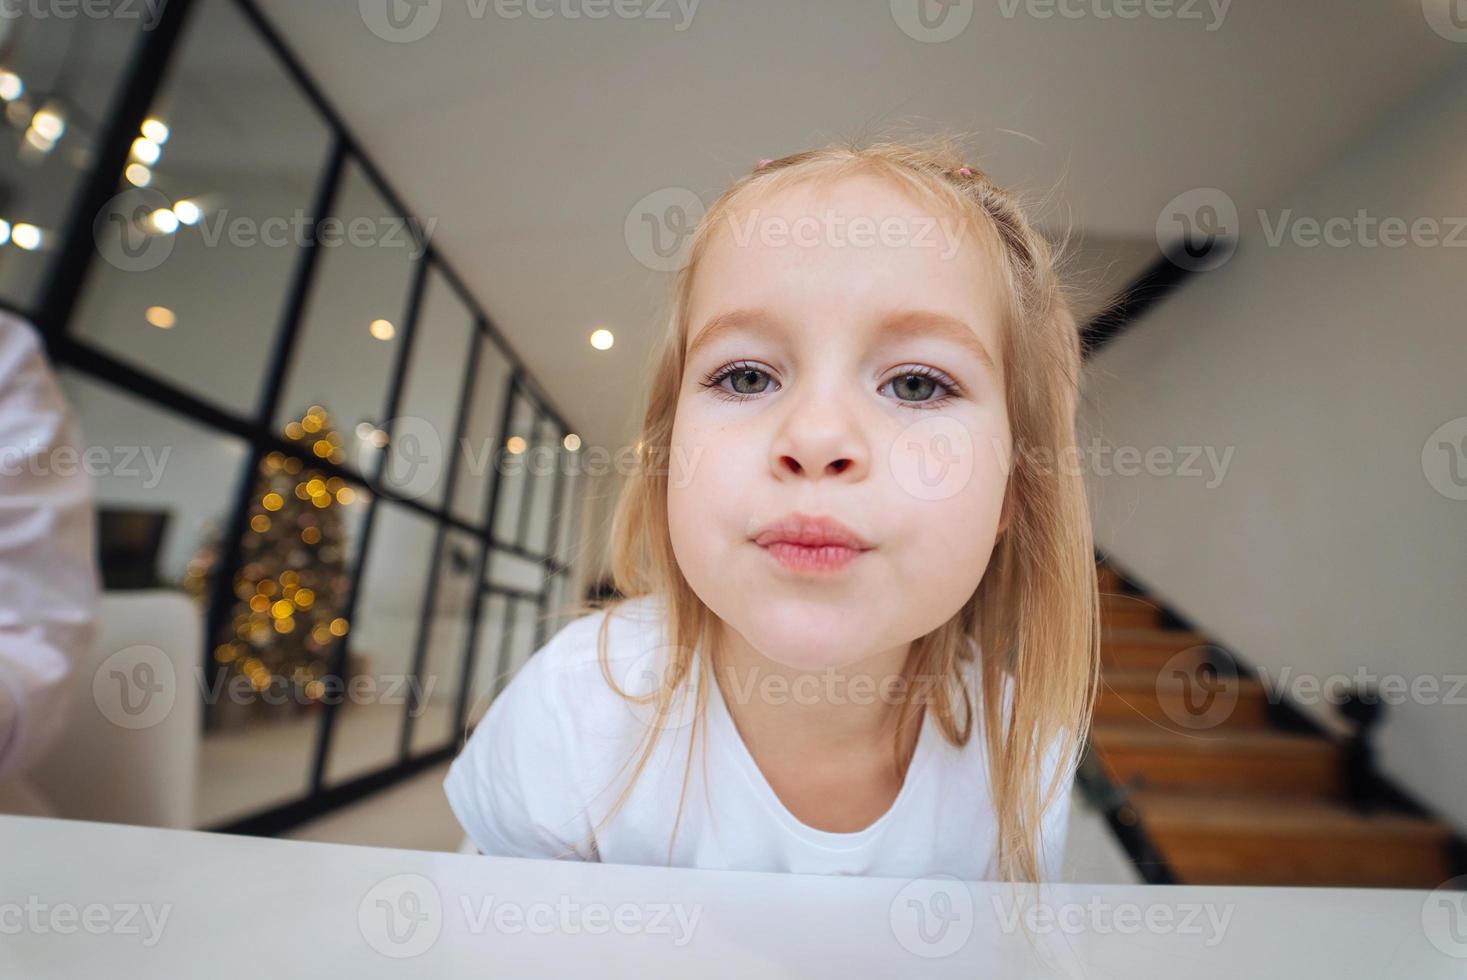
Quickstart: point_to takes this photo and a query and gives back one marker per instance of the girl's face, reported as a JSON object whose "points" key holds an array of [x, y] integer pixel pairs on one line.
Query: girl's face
{"points": [[843, 363]]}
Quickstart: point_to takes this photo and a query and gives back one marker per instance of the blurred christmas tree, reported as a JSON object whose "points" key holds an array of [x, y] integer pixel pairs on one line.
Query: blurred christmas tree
{"points": [[291, 586]]}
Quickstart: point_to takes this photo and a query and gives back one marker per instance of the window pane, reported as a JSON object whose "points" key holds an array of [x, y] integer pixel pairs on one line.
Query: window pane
{"points": [[493, 638], [271, 666], [561, 595], [155, 473], [448, 633], [201, 306], [481, 436], [368, 723], [60, 73], [568, 531], [543, 466], [424, 429], [513, 572], [522, 639], [351, 332], [512, 466]]}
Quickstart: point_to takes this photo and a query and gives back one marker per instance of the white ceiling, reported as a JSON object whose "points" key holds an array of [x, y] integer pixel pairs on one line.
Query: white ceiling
{"points": [[529, 140]]}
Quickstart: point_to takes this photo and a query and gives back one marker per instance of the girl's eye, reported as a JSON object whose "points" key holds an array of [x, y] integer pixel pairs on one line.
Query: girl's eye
{"points": [[915, 386], [744, 380]]}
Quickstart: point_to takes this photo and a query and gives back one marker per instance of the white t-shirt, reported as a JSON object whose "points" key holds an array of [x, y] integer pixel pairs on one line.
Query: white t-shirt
{"points": [[551, 756]]}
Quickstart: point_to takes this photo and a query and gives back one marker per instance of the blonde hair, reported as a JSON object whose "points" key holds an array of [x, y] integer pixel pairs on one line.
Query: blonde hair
{"points": [[1034, 612]]}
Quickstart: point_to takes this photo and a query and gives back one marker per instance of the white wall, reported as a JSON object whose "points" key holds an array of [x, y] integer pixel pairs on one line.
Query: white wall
{"points": [[1325, 548]]}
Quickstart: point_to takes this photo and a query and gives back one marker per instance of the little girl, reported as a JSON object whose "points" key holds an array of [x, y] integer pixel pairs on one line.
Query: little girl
{"points": [[860, 593]]}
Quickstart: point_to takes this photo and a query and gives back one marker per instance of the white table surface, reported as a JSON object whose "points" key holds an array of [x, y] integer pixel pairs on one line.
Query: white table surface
{"points": [[91, 900]]}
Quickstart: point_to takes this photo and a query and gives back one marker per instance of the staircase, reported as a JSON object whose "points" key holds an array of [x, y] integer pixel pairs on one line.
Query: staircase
{"points": [[1195, 766]]}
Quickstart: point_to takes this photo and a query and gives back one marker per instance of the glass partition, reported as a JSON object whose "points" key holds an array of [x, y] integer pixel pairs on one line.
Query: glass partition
{"points": [[425, 426], [322, 405], [353, 328], [59, 77], [198, 246], [377, 675]]}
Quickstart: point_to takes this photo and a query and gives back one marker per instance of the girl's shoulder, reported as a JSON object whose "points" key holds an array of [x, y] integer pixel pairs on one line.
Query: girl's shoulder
{"points": [[633, 628], [567, 671], [549, 743]]}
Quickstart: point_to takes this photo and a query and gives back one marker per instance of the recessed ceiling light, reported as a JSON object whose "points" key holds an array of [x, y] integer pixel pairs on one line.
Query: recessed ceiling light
{"points": [[161, 317], [164, 220], [26, 236], [146, 150], [188, 212], [49, 124], [515, 444], [155, 130], [571, 441], [382, 330], [602, 339]]}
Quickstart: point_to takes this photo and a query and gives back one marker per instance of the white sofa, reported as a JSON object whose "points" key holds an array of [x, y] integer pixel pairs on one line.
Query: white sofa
{"points": [[129, 753]]}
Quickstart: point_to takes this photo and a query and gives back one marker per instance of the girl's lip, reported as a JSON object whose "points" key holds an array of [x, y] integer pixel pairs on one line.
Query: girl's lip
{"points": [[811, 532], [818, 558]]}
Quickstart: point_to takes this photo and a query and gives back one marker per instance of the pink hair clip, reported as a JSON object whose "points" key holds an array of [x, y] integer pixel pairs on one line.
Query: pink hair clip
{"points": [[964, 172], [764, 163]]}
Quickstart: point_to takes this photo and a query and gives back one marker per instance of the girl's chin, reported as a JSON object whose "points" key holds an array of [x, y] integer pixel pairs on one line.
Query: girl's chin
{"points": [[809, 647]]}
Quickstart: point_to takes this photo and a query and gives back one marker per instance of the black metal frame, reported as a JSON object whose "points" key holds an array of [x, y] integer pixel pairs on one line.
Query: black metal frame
{"points": [[140, 85]]}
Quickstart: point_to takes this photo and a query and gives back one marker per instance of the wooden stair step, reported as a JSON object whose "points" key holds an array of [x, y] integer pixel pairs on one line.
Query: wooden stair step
{"points": [[1210, 839], [1174, 639], [1148, 649], [1128, 612], [1225, 759], [1179, 702]]}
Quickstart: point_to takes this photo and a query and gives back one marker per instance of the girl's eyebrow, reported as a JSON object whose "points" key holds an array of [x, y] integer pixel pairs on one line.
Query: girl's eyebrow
{"points": [[912, 323], [902, 323], [732, 320]]}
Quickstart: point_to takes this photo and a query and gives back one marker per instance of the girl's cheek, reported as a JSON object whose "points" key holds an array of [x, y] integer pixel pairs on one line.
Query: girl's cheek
{"points": [[704, 454], [940, 456], [959, 471]]}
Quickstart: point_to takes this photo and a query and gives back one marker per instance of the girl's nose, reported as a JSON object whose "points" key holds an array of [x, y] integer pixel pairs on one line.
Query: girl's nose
{"points": [[820, 440], [835, 466]]}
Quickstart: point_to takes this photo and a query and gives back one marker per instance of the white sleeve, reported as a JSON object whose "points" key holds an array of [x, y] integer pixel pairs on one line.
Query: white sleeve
{"points": [[1054, 823], [1054, 826], [48, 575], [514, 787]]}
